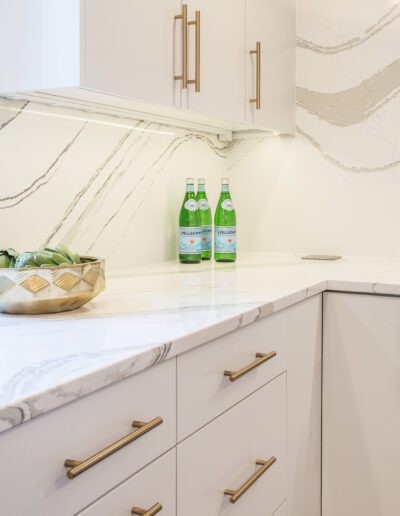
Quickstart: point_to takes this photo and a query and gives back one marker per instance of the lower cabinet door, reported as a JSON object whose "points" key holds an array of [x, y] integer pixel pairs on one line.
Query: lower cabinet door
{"points": [[361, 405], [151, 488], [236, 465]]}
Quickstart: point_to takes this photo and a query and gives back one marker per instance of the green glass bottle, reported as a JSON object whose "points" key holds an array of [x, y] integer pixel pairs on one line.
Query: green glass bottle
{"points": [[189, 227], [205, 219], [225, 226]]}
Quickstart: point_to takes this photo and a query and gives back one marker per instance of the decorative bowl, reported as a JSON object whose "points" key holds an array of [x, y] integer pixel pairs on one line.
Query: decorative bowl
{"points": [[45, 290]]}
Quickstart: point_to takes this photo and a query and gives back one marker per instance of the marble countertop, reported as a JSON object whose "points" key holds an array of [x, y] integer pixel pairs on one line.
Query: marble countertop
{"points": [[152, 313]]}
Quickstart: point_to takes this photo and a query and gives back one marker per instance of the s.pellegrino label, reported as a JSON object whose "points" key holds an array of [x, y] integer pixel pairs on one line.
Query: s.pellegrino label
{"points": [[190, 240], [225, 239], [206, 236]]}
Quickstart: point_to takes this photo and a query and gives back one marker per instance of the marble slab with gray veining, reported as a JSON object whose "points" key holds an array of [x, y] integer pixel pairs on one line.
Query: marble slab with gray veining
{"points": [[153, 313]]}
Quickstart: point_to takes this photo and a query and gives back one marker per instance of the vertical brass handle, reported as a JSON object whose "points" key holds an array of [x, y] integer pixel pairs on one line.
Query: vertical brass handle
{"points": [[78, 467], [149, 512], [184, 19], [262, 358], [196, 80], [257, 52], [265, 465]]}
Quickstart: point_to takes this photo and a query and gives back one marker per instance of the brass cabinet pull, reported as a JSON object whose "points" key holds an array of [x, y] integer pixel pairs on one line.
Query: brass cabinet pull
{"points": [[196, 81], [184, 19], [150, 512], [235, 495], [262, 358], [78, 467], [257, 51]]}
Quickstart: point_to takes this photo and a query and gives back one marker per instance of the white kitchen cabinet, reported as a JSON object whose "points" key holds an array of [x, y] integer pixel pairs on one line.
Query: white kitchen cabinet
{"points": [[128, 53], [222, 456], [222, 59], [129, 49], [218, 428], [270, 77], [39, 44], [304, 362], [204, 391], [361, 400], [152, 487], [35, 452]]}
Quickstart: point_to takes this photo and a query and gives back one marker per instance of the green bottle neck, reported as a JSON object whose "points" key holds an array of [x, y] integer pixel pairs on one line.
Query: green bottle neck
{"points": [[201, 194], [225, 194], [189, 194]]}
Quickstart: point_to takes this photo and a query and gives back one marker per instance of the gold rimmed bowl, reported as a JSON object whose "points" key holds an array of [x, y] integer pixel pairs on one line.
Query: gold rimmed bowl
{"points": [[45, 290]]}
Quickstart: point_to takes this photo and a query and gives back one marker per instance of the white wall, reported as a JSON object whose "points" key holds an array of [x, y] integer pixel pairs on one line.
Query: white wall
{"points": [[336, 187]]}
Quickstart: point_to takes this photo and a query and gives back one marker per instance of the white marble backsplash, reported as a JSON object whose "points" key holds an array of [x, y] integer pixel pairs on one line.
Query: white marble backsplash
{"points": [[335, 188], [103, 184], [112, 185]]}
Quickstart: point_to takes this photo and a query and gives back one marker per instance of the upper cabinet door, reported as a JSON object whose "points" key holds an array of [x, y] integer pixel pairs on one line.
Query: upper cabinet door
{"points": [[39, 44], [270, 64], [219, 51], [129, 49]]}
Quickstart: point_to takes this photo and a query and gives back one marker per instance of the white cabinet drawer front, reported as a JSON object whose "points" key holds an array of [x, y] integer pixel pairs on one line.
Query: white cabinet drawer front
{"points": [[35, 452], [223, 456], [154, 485], [203, 390]]}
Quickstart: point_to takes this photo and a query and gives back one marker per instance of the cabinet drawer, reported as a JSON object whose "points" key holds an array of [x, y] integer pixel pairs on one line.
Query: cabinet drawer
{"points": [[154, 485], [223, 456], [203, 390], [36, 451]]}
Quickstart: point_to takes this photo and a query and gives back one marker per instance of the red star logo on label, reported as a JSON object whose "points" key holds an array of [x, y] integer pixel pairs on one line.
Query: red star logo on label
{"points": [[191, 241]]}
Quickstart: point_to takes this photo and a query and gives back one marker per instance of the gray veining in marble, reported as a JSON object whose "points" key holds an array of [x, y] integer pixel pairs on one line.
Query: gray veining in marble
{"points": [[353, 105], [348, 168], [387, 19]]}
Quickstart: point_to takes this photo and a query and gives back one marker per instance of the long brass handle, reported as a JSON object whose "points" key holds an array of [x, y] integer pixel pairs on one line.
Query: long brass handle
{"points": [[196, 80], [257, 51], [262, 358], [235, 495], [78, 467], [183, 17], [149, 512]]}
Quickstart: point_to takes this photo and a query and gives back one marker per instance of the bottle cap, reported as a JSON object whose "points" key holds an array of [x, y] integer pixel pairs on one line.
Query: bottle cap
{"points": [[225, 181], [189, 181], [201, 181]]}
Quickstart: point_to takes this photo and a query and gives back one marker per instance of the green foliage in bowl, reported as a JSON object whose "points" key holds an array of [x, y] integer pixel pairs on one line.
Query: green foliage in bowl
{"points": [[8, 258], [47, 257]]}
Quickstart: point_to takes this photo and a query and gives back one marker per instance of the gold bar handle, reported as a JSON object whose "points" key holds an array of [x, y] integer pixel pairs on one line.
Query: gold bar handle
{"points": [[184, 19], [265, 465], [78, 467], [196, 81], [262, 358], [257, 52], [150, 512]]}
